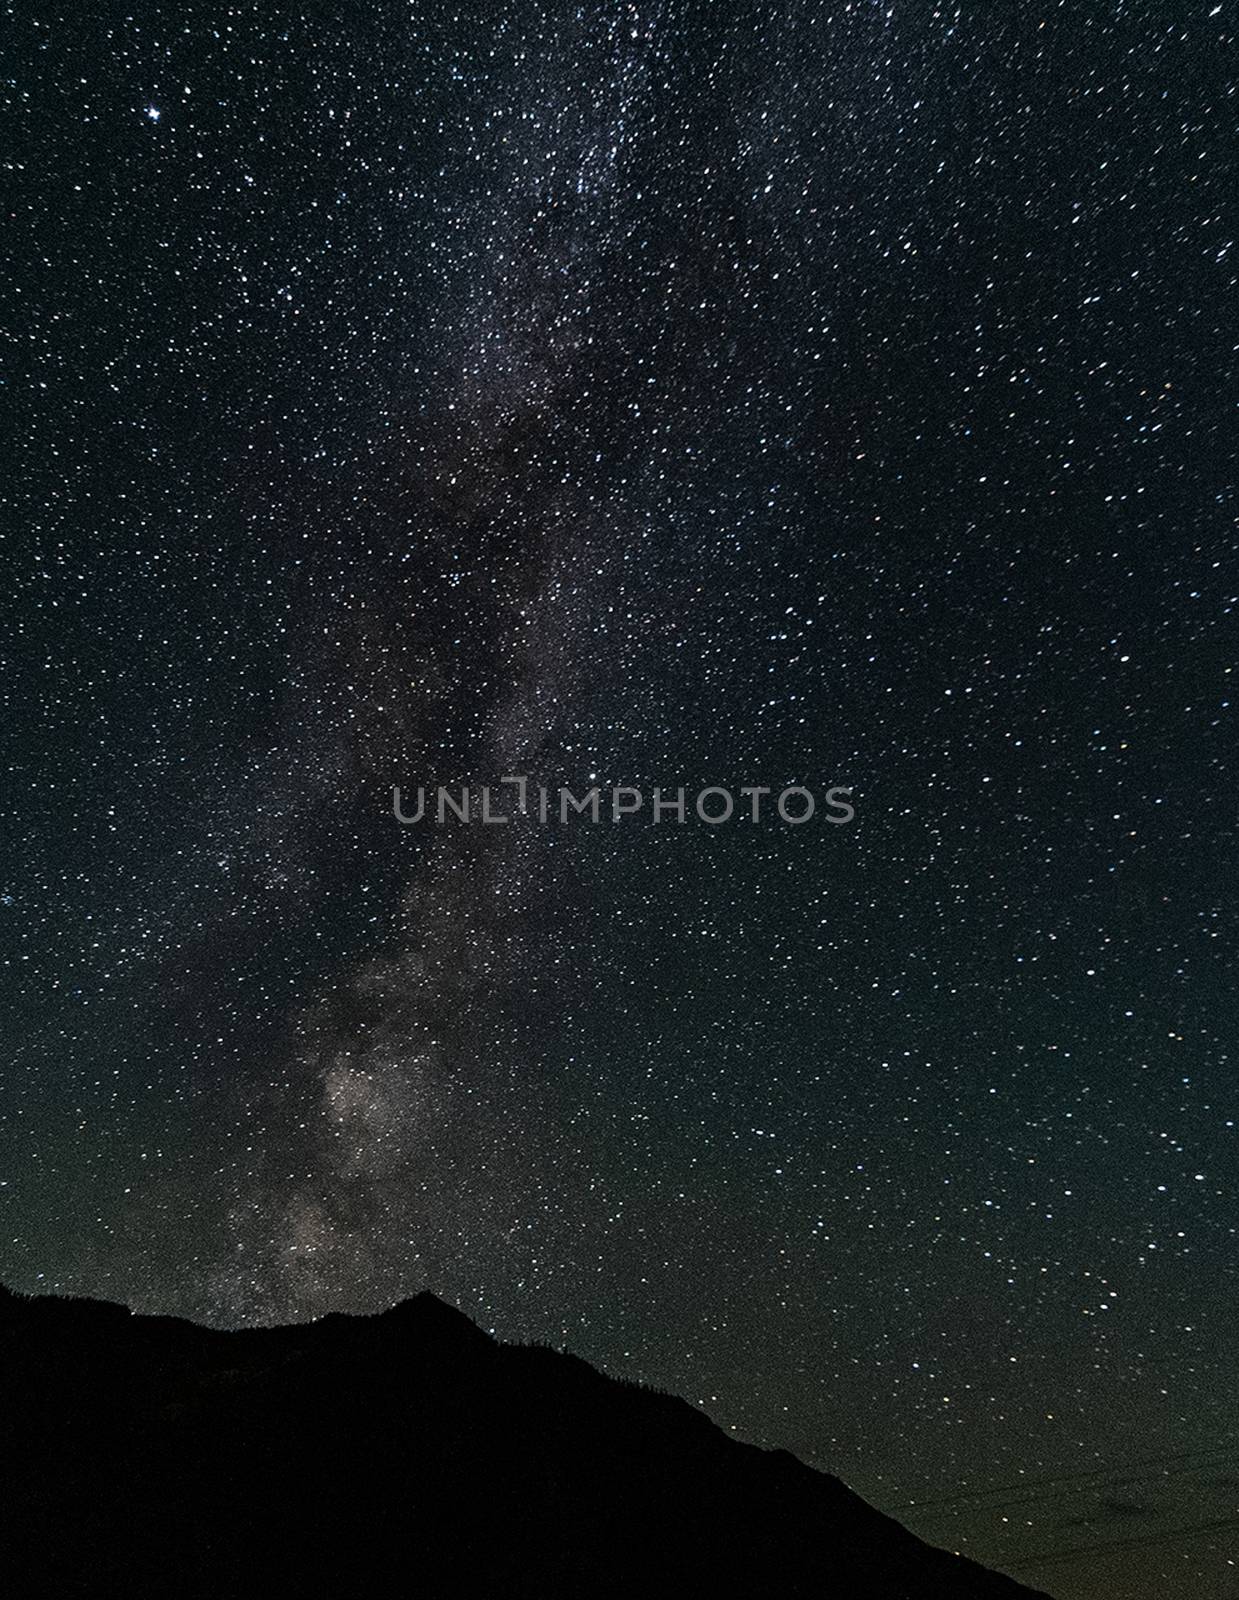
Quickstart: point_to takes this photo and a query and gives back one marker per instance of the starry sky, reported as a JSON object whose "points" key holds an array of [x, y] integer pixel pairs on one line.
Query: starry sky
{"points": [[759, 392]]}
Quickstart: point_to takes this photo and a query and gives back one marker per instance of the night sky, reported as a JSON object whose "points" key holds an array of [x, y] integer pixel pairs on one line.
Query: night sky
{"points": [[648, 394]]}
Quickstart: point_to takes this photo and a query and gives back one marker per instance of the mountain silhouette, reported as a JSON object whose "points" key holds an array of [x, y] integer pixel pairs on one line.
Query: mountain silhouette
{"points": [[404, 1453]]}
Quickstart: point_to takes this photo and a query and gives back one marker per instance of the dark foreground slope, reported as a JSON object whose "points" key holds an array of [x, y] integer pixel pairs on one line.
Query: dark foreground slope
{"points": [[403, 1454]]}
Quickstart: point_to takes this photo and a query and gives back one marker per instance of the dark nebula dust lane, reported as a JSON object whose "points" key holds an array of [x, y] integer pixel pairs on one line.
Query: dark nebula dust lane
{"points": [[646, 395]]}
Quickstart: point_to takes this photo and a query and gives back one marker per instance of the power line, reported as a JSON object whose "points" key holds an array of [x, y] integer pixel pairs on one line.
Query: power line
{"points": [[1119, 1481], [1137, 1542], [1108, 1475]]}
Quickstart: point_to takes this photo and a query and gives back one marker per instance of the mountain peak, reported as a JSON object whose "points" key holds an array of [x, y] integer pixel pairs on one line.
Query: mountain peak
{"points": [[427, 1314]]}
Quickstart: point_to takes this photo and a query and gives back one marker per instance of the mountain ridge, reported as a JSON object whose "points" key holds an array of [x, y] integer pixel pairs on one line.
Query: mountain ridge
{"points": [[149, 1451]]}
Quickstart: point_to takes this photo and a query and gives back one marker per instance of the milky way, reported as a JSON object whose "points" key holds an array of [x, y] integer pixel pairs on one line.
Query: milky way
{"points": [[647, 394]]}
